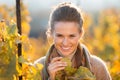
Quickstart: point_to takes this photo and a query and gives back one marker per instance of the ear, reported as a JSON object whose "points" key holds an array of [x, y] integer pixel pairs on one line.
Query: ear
{"points": [[49, 37]]}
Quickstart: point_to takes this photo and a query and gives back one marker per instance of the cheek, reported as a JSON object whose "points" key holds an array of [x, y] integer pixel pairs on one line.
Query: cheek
{"points": [[75, 41], [57, 40]]}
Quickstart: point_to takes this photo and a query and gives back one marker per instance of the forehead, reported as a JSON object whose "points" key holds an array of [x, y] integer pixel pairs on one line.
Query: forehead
{"points": [[66, 27]]}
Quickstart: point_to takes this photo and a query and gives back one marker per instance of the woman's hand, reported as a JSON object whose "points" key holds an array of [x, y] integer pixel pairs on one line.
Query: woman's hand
{"points": [[55, 65]]}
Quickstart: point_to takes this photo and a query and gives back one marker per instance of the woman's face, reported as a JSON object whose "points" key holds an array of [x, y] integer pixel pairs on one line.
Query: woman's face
{"points": [[66, 37]]}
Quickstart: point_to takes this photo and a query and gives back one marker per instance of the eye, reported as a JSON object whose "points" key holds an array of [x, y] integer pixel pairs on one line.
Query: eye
{"points": [[59, 35], [72, 35]]}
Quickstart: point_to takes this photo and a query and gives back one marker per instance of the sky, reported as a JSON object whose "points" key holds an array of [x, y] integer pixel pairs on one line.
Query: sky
{"points": [[87, 5]]}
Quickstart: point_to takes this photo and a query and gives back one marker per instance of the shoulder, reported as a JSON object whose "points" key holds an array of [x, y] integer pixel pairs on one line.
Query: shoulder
{"points": [[96, 61], [40, 60], [99, 67]]}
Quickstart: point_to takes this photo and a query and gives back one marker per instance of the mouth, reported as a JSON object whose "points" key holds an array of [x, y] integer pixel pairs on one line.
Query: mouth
{"points": [[65, 48]]}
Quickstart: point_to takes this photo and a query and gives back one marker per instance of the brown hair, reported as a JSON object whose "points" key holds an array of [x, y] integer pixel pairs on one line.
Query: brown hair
{"points": [[65, 12]]}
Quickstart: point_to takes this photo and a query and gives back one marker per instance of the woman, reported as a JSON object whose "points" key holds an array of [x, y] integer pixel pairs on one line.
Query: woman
{"points": [[66, 30]]}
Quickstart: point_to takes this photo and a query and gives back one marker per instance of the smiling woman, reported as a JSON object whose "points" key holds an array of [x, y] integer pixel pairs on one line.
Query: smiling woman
{"points": [[66, 41], [66, 30]]}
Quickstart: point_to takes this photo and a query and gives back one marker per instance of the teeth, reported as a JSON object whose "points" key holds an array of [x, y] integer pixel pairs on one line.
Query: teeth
{"points": [[65, 48]]}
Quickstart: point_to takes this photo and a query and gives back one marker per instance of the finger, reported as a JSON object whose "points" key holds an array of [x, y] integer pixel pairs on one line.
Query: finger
{"points": [[58, 69], [56, 59], [56, 65], [52, 72]]}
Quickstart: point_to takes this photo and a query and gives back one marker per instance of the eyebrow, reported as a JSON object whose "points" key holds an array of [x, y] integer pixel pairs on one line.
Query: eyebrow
{"points": [[62, 34], [59, 34]]}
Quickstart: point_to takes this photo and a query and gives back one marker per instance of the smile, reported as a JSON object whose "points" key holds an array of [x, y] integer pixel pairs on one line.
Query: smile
{"points": [[65, 48]]}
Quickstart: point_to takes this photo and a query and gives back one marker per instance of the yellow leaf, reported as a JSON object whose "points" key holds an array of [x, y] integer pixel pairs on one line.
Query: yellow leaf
{"points": [[39, 66]]}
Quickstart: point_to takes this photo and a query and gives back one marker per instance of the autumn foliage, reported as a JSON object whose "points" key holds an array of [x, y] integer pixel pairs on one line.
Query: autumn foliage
{"points": [[102, 37]]}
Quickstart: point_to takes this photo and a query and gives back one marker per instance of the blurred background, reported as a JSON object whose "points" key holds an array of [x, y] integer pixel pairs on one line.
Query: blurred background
{"points": [[39, 10], [101, 25]]}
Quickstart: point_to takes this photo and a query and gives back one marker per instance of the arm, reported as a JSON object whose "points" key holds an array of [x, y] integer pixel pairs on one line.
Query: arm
{"points": [[99, 69]]}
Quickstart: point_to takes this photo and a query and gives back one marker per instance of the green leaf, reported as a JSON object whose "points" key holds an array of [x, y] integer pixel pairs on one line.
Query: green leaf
{"points": [[84, 73], [70, 73], [21, 59], [12, 29], [69, 63]]}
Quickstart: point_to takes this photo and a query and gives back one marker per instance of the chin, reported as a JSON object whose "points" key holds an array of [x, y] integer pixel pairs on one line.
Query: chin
{"points": [[66, 54]]}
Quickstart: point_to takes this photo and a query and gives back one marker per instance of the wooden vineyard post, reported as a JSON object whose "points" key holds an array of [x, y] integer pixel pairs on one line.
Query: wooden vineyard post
{"points": [[18, 19]]}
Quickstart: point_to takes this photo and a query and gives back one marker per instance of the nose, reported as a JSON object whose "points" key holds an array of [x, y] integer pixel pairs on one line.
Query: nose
{"points": [[65, 41]]}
